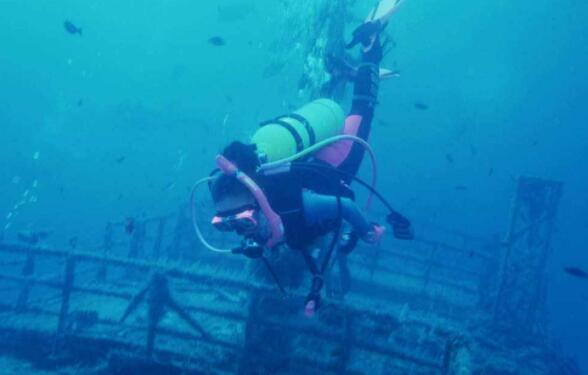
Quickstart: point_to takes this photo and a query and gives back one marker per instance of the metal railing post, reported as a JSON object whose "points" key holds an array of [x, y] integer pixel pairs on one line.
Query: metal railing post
{"points": [[68, 283]]}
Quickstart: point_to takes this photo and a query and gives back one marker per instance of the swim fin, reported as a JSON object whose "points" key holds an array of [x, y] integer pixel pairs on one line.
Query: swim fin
{"points": [[401, 226]]}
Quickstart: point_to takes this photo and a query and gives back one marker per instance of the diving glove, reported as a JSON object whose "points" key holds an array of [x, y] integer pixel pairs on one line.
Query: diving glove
{"points": [[365, 34]]}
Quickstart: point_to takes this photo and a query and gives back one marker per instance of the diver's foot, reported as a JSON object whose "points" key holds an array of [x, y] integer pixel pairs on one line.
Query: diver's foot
{"points": [[312, 304], [366, 34], [310, 309], [375, 234]]}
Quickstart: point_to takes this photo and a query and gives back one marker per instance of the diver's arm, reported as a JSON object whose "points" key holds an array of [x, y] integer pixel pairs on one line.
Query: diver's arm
{"points": [[365, 95], [366, 84], [347, 156], [319, 208], [366, 88]]}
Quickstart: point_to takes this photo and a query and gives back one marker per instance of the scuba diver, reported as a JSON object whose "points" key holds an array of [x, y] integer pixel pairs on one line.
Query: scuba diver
{"points": [[291, 184]]}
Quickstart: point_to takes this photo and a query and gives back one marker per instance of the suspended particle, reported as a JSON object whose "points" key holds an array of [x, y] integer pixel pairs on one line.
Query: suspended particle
{"points": [[16, 180], [36, 155], [35, 183], [33, 199], [26, 193], [9, 216]]}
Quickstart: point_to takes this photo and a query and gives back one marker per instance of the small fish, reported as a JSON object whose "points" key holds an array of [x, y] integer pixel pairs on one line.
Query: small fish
{"points": [[576, 272], [73, 242], [421, 106], [383, 123], [71, 28], [217, 41], [473, 150], [449, 158], [129, 225], [338, 352], [169, 186], [461, 188], [120, 159]]}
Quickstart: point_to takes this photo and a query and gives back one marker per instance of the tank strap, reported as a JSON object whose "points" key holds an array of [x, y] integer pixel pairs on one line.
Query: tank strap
{"points": [[289, 128], [304, 121]]}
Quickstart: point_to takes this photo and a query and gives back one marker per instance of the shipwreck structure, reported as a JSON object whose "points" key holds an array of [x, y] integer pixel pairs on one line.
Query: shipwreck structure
{"points": [[156, 302]]}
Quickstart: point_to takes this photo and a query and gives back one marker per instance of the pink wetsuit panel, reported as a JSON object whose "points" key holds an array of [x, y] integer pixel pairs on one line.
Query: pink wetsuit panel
{"points": [[336, 153]]}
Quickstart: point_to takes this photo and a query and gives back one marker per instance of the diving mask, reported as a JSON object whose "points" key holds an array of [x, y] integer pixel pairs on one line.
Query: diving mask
{"points": [[241, 222]]}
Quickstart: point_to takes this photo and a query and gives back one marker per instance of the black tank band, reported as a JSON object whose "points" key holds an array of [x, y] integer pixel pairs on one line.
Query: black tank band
{"points": [[295, 116], [304, 121], [290, 129]]}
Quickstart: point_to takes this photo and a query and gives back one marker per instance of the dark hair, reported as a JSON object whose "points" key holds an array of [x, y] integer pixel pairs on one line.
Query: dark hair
{"points": [[245, 158], [225, 185], [243, 155]]}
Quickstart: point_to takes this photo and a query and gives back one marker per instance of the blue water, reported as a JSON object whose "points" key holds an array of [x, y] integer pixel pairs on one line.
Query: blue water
{"points": [[121, 120]]}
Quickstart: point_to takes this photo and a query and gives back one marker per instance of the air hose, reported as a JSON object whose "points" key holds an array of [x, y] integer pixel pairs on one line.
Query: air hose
{"points": [[327, 142], [194, 216]]}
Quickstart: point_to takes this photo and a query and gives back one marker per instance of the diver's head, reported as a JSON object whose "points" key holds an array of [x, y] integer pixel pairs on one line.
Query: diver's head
{"points": [[237, 209], [244, 156]]}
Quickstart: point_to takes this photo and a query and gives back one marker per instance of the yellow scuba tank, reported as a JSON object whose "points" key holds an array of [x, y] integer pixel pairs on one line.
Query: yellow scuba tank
{"points": [[288, 135]]}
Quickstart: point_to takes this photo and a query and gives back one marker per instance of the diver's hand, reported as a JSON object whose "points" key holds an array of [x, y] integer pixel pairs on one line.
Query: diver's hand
{"points": [[249, 249], [374, 235], [366, 34]]}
